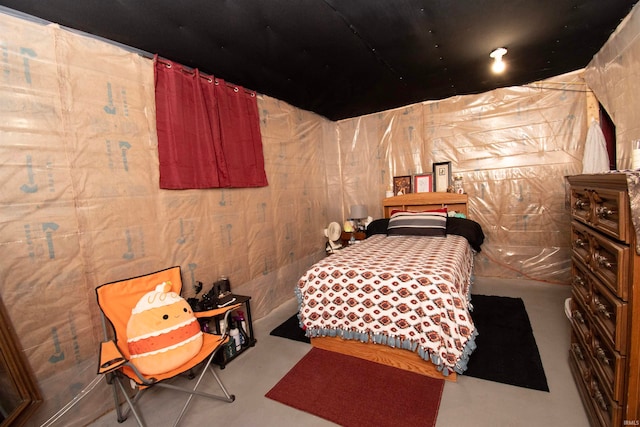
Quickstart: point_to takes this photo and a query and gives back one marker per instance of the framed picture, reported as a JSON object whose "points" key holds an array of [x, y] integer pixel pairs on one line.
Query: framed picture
{"points": [[423, 183], [441, 176], [401, 185]]}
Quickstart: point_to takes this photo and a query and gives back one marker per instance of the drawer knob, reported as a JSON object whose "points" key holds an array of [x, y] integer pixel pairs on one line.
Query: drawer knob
{"points": [[604, 212], [577, 351], [578, 316], [602, 308], [581, 204], [603, 261], [597, 395], [579, 243], [602, 356]]}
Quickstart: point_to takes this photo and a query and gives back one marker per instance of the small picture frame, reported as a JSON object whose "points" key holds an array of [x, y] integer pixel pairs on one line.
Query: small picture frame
{"points": [[441, 176], [402, 185], [423, 183]]}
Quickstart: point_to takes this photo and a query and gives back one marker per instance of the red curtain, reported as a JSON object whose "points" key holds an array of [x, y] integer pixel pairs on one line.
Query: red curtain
{"points": [[208, 131]]}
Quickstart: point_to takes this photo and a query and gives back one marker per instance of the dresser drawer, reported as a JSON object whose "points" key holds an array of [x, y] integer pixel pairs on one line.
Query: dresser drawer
{"points": [[581, 204], [580, 245], [579, 353], [602, 409], [595, 350], [606, 259], [580, 318], [581, 280], [610, 263], [609, 316], [610, 212], [608, 313], [609, 412], [609, 366], [603, 209]]}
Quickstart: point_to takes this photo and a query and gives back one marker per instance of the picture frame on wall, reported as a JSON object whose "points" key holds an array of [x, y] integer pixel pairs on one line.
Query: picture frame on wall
{"points": [[441, 176], [402, 185], [423, 183]]}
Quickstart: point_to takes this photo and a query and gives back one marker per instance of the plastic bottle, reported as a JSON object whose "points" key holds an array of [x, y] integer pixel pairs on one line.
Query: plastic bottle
{"points": [[239, 318], [204, 326], [234, 333]]}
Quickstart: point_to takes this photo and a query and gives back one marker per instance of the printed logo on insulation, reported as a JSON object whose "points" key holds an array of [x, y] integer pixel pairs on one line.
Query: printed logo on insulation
{"points": [[135, 246], [30, 184], [32, 237]]}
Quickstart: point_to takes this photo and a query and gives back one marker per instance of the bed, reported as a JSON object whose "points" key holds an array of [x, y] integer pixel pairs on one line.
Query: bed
{"points": [[401, 299]]}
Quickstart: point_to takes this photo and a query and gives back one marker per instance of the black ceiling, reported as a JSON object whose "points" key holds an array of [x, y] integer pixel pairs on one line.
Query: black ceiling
{"points": [[346, 58]]}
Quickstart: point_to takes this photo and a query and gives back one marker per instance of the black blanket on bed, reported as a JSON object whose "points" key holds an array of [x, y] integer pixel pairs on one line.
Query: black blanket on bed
{"points": [[467, 228]]}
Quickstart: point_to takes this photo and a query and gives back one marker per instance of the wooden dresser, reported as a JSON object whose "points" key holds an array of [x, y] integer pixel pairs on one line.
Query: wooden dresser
{"points": [[605, 309]]}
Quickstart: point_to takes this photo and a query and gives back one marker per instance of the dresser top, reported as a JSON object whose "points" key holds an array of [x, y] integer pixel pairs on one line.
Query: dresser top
{"points": [[613, 179]]}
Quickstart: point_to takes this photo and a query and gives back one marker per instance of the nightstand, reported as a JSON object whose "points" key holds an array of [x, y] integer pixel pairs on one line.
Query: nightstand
{"points": [[345, 237], [228, 352]]}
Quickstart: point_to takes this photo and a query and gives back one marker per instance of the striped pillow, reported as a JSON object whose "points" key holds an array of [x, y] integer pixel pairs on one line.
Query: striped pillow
{"points": [[418, 224]]}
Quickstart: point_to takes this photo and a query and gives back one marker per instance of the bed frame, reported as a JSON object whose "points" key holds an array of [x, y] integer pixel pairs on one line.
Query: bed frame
{"points": [[396, 357], [426, 201]]}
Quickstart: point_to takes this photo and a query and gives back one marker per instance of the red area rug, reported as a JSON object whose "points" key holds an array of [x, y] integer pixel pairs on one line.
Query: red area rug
{"points": [[353, 392]]}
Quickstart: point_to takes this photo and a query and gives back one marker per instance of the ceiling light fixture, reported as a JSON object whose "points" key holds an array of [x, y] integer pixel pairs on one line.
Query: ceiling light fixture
{"points": [[498, 64]]}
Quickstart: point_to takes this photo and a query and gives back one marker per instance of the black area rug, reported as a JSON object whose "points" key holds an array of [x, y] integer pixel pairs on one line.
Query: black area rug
{"points": [[291, 329], [506, 349]]}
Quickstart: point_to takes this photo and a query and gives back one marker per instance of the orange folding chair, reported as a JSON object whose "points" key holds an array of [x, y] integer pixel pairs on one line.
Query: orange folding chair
{"points": [[166, 339]]}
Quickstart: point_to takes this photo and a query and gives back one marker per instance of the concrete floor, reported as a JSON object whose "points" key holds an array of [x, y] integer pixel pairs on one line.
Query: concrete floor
{"points": [[470, 401]]}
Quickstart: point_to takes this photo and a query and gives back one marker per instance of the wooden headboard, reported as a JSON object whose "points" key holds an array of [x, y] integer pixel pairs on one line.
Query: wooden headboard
{"points": [[426, 201]]}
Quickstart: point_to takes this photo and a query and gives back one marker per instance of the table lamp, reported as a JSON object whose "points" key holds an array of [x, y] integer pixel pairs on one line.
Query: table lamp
{"points": [[358, 213]]}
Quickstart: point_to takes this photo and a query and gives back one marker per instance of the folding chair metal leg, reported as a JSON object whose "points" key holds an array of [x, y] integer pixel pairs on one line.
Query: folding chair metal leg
{"points": [[226, 398], [122, 416], [229, 397], [114, 390]]}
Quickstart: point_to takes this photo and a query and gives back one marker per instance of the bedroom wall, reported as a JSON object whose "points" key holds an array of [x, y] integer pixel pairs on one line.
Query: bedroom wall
{"points": [[80, 204], [512, 146], [613, 74]]}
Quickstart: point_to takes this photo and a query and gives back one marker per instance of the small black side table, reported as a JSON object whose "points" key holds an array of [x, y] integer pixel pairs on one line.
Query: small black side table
{"points": [[225, 355]]}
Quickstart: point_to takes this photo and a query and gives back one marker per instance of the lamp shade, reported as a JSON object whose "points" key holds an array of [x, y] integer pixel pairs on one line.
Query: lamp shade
{"points": [[358, 212]]}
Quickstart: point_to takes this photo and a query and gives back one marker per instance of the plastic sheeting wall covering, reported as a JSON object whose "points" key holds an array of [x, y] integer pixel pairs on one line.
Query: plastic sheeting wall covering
{"points": [[613, 75], [80, 203], [511, 146]]}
